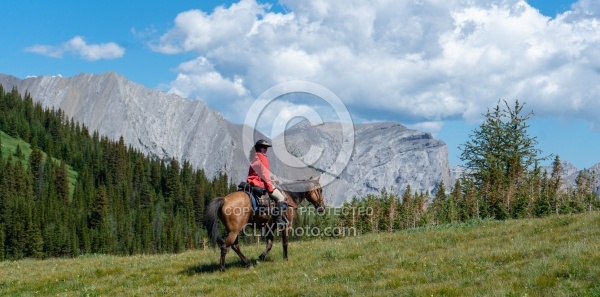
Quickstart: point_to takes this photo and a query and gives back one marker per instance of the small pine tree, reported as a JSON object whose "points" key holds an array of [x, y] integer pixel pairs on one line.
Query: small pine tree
{"points": [[62, 183], [554, 185], [407, 208], [19, 153], [34, 246], [99, 208], [440, 205]]}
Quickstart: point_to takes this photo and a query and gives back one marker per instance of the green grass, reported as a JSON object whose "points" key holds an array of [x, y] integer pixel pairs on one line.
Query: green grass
{"points": [[554, 256], [9, 148]]}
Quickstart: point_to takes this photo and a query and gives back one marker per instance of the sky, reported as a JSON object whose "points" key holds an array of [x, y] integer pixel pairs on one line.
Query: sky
{"points": [[434, 66]]}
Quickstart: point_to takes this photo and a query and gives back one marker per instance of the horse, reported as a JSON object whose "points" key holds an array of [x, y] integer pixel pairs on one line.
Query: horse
{"points": [[235, 212]]}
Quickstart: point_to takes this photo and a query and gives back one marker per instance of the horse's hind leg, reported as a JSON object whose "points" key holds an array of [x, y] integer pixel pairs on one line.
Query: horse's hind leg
{"points": [[225, 244], [236, 248], [224, 250]]}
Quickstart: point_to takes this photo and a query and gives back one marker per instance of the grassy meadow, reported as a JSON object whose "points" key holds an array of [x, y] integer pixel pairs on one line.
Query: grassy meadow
{"points": [[553, 256]]}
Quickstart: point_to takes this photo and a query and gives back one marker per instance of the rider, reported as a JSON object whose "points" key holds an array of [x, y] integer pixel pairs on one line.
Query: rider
{"points": [[259, 175]]}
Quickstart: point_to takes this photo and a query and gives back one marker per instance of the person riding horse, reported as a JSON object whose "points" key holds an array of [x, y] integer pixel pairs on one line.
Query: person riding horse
{"points": [[259, 175]]}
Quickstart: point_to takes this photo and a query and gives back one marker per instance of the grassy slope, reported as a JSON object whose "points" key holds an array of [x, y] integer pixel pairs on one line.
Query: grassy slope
{"points": [[9, 147], [556, 256]]}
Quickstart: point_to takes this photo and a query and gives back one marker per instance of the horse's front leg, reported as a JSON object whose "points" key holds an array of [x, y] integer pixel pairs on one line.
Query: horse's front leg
{"points": [[269, 234], [284, 241]]}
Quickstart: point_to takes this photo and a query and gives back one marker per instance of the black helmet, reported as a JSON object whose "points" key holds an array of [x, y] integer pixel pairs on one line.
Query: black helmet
{"points": [[262, 143]]}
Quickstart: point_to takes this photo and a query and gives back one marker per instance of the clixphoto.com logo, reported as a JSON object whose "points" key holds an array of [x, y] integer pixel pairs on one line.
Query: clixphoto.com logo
{"points": [[300, 231], [316, 103]]}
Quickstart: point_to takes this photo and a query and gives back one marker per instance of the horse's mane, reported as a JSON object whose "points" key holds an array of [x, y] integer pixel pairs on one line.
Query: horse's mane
{"points": [[300, 186]]}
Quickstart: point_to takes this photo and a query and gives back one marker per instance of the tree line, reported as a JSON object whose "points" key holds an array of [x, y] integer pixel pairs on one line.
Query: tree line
{"points": [[79, 192], [503, 180]]}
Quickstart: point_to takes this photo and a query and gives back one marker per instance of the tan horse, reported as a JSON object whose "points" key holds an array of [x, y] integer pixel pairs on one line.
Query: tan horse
{"points": [[236, 213]]}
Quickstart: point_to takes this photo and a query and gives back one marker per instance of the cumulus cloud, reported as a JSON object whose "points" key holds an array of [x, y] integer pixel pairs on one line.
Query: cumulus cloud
{"points": [[408, 61], [78, 46]]}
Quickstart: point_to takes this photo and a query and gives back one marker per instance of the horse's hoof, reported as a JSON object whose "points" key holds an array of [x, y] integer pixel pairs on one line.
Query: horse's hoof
{"points": [[262, 257], [222, 269]]}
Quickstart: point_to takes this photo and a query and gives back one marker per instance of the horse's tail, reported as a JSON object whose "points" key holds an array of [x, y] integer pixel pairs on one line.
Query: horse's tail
{"points": [[211, 219]]}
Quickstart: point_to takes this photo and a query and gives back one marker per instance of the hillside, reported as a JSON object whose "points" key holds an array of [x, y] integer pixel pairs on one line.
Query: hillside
{"points": [[555, 256], [11, 145]]}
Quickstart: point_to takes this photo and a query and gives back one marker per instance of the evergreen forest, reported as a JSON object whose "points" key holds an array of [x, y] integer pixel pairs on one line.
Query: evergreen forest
{"points": [[67, 191]]}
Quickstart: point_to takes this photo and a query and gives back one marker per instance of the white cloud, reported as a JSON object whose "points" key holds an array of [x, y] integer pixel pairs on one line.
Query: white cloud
{"points": [[197, 79], [409, 61], [431, 127], [77, 45]]}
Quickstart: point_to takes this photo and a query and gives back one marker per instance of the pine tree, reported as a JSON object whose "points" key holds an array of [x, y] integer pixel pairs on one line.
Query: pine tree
{"points": [[392, 212], [34, 246], [499, 155], [19, 153], [62, 183], [454, 206], [542, 205], [407, 208], [199, 189], [36, 165], [440, 206], [99, 209], [554, 186]]}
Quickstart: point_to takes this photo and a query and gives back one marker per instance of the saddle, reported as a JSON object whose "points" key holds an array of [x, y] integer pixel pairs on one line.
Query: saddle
{"points": [[261, 202]]}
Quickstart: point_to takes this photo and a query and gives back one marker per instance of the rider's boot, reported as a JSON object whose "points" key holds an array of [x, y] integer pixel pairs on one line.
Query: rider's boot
{"points": [[278, 213]]}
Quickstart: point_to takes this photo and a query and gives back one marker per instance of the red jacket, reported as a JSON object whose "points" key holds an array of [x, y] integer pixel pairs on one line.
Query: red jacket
{"points": [[259, 173]]}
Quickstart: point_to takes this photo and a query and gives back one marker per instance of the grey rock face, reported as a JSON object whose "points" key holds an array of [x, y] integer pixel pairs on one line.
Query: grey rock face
{"points": [[567, 169], [595, 170], [385, 155], [568, 174]]}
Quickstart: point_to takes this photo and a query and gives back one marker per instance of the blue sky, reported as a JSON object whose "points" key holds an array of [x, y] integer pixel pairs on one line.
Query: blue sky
{"points": [[431, 65]]}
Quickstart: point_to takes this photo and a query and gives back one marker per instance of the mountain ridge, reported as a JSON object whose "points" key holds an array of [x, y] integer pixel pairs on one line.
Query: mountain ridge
{"points": [[386, 155]]}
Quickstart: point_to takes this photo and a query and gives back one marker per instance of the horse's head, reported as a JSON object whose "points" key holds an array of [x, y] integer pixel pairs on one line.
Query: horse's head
{"points": [[315, 196]]}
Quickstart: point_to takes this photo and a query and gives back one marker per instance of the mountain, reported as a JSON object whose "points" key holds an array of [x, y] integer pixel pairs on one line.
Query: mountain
{"points": [[384, 155], [595, 170], [568, 174]]}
